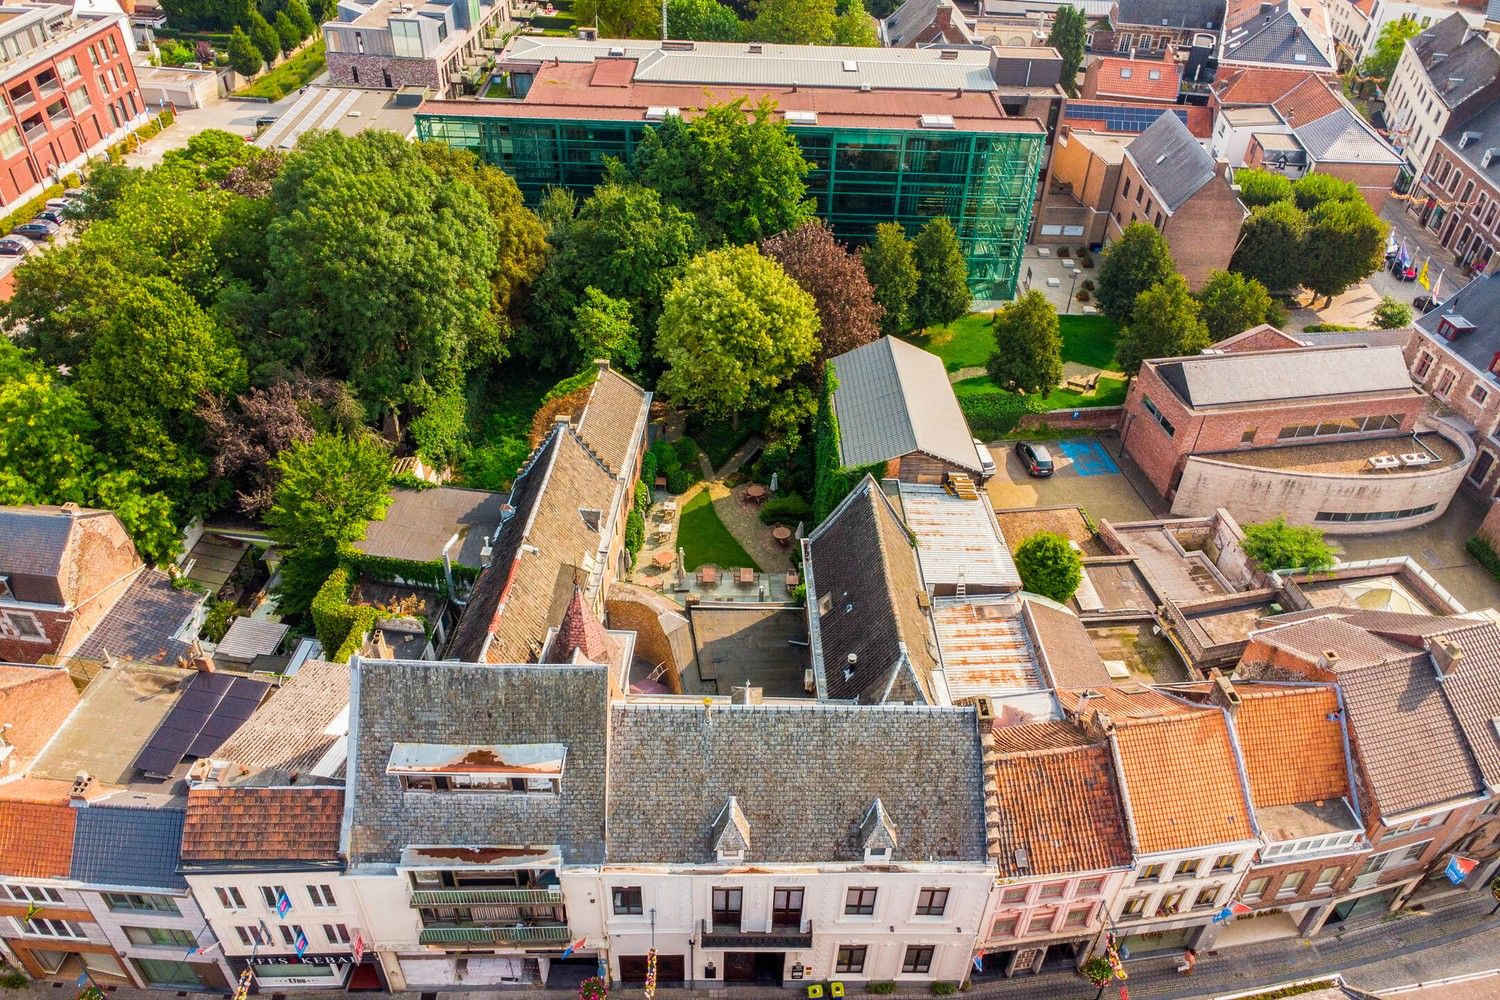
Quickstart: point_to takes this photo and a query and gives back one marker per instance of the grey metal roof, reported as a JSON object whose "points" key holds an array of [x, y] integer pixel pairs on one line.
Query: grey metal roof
{"points": [[1278, 37], [958, 540], [1272, 376], [145, 624], [249, 637], [1475, 137], [1344, 137], [464, 703], [128, 847], [805, 777], [1458, 66], [772, 66], [1478, 301], [1205, 14], [893, 399], [1172, 160], [419, 523]]}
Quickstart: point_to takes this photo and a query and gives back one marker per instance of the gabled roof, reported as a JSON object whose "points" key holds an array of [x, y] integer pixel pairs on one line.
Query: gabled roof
{"points": [[893, 399], [580, 632], [1204, 14], [36, 838], [613, 420], [276, 824], [463, 704], [42, 550], [1308, 101], [145, 624], [1181, 774], [863, 568], [1472, 139], [1352, 646], [804, 776], [1478, 302], [1293, 743], [1257, 85], [1458, 68], [1172, 161], [1277, 36], [419, 524], [1472, 686], [1276, 376], [1064, 650], [1057, 805], [1127, 78], [916, 22], [298, 725], [129, 847]]}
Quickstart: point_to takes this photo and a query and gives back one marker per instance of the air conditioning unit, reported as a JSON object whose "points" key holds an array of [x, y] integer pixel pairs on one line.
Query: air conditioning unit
{"points": [[1416, 458], [1384, 462]]}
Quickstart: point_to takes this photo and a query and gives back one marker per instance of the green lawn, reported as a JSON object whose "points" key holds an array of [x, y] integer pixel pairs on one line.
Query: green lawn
{"points": [[1111, 392], [969, 342], [704, 539], [296, 72]]}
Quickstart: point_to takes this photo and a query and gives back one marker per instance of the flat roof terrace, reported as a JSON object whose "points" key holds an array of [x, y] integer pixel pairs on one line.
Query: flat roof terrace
{"points": [[1350, 457]]}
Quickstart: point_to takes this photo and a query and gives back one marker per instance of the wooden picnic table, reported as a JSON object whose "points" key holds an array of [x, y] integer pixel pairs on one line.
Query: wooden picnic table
{"points": [[782, 534], [745, 575], [708, 576], [755, 492], [665, 558]]}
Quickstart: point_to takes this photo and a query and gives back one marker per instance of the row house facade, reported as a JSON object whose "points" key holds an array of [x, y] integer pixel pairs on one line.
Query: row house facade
{"points": [[1445, 76], [1459, 193]]}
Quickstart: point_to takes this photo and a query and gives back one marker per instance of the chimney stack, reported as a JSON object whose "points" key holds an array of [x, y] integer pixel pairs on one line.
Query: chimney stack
{"points": [[1222, 693], [81, 782], [1446, 653], [202, 662]]}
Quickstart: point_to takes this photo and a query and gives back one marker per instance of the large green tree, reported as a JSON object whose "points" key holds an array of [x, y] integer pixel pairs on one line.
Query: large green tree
{"points": [[1345, 244], [735, 327], [855, 26], [794, 22], [625, 243], [942, 276], [736, 166], [1164, 324], [1068, 36], [1133, 263], [381, 270], [1391, 314], [1049, 566], [1028, 345], [1262, 187], [847, 310], [605, 329], [621, 18], [264, 36], [302, 17], [1231, 303], [327, 490], [287, 32], [1381, 62], [1311, 190], [244, 58], [703, 21], [892, 270]]}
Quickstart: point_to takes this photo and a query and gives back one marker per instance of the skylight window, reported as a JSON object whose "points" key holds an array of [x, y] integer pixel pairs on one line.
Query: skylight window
{"points": [[1125, 72]]}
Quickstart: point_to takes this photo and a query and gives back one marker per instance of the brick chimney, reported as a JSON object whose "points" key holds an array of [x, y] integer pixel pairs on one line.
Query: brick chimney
{"points": [[202, 662], [1446, 653], [1221, 692], [944, 17]]}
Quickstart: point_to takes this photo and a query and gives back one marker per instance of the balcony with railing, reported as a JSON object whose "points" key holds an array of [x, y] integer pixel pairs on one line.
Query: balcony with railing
{"points": [[35, 130], [516, 935], [551, 896], [783, 937]]}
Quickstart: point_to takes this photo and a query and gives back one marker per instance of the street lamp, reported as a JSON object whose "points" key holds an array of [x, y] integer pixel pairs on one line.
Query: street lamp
{"points": [[1072, 288]]}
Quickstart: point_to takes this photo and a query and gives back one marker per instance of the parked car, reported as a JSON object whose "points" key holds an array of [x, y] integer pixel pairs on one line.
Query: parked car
{"points": [[265, 120], [36, 229], [1425, 304], [15, 246], [52, 215], [986, 460], [1035, 459]]}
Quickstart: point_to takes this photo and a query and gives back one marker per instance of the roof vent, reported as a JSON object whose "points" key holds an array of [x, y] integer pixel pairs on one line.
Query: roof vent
{"points": [[1161, 157], [802, 117], [616, 50], [756, 49], [948, 54], [1126, 72], [936, 121], [658, 113], [677, 46], [865, 88], [850, 66]]}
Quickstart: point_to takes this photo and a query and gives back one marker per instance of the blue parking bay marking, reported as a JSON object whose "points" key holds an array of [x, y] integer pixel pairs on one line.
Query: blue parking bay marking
{"points": [[1089, 458]]}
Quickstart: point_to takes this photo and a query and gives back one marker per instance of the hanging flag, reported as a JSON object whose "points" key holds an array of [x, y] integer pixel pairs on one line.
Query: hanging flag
{"points": [[979, 961], [301, 942], [1231, 910], [1422, 278], [1437, 284], [283, 904], [1459, 869], [211, 946], [359, 947], [580, 943], [32, 910]]}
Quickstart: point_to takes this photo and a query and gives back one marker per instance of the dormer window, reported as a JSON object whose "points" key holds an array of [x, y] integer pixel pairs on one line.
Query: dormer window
{"points": [[510, 769]]}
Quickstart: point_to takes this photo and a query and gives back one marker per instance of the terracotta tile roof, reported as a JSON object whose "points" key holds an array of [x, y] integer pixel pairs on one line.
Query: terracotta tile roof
{"points": [[1293, 751], [36, 838], [580, 632], [1057, 807], [263, 824], [1354, 646], [1124, 701], [1253, 86], [1307, 102], [1111, 81], [1181, 775]]}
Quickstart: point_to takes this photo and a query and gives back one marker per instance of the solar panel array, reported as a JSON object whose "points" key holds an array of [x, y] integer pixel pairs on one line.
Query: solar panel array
{"points": [[1122, 118], [208, 711]]}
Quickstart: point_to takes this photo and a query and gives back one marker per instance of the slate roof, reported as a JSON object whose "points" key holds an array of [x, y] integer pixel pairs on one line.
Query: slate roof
{"points": [[1458, 69], [467, 705], [1277, 376], [542, 551], [287, 824], [142, 625], [914, 22], [34, 540], [1478, 302], [1472, 687], [297, 725], [1344, 137], [893, 399], [863, 567], [418, 523], [1065, 651], [1483, 131], [36, 838], [1181, 774], [1204, 14], [1171, 160], [1293, 751], [614, 420], [128, 847], [1278, 36], [1257, 85], [805, 778], [1057, 805]]}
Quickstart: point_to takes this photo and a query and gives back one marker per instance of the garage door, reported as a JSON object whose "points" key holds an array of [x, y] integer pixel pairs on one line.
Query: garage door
{"points": [[669, 969]]}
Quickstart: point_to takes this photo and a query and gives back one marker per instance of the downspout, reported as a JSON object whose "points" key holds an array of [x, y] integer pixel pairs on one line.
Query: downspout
{"points": [[1359, 812]]}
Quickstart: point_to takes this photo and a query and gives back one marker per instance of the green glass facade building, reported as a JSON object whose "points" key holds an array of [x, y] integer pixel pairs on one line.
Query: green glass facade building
{"points": [[985, 182]]}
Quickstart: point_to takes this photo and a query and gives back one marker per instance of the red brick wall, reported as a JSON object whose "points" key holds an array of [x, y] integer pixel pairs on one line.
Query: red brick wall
{"points": [[1278, 874], [1215, 208], [1373, 180], [34, 710], [54, 624]]}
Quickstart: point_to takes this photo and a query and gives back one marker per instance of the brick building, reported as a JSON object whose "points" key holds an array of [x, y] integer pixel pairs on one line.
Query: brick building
{"points": [[1445, 76], [1326, 435], [1454, 354], [70, 90], [1459, 192], [393, 43], [1169, 181], [1155, 80]]}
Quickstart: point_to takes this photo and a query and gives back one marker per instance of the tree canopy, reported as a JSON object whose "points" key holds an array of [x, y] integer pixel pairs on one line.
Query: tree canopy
{"points": [[794, 22], [1068, 36], [1270, 247], [1028, 345], [854, 26], [942, 294], [1381, 62], [621, 18], [1275, 545], [1391, 314], [1049, 566], [703, 21], [826, 270], [1318, 233], [892, 269], [1164, 324], [1231, 303], [734, 328], [1132, 264]]}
